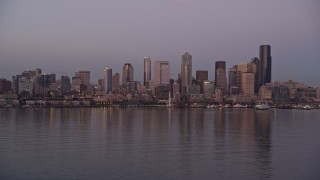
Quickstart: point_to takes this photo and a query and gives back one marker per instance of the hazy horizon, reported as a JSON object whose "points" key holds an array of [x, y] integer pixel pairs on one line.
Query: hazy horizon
{"points": [[67, 36]]}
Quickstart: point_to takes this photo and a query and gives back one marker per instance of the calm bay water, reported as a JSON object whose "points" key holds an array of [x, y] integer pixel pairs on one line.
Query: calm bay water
{"points": [[102, 143]]}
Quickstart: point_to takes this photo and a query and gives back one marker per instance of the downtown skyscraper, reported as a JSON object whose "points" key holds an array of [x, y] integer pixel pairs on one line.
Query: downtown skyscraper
{"points": [[162, 72], [146, 70], [220, 76], [186, 73], [265, 64], [127, 73], [107, 79]]}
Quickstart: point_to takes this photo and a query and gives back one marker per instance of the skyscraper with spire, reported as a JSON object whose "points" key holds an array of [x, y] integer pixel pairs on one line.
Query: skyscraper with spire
{"points": [[186, 73]]}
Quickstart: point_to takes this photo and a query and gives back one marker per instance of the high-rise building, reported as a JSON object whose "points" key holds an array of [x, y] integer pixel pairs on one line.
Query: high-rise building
{"points": [[5, 85], [265, 60], [52, 78], [162, 72], [256, 71], [25, 85], [116, 83], [107, 79], [186, 73], [127, 73], [220, 76], [147, 70], [65, 84], [243, 68], [84, 76], [247, 84], [233, 77], [44, 80], [201, 77]]}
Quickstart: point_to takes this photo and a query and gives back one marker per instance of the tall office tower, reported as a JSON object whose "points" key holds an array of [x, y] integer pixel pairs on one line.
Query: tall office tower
{"points": [[220, 76], [201, 77], [186, 73], [84, 76], [52, 78], [116, 83], [247, 86], [127, 73], [107, 79], [265, 60], [147, 70], [43, 80], [162, 72], [65, 84], [233, 77], [243, 68], [256, 71]]}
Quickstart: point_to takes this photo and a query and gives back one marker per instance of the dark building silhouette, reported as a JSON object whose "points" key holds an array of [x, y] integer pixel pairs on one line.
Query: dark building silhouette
{"points": [[265, 64], [65, 84], [201, 77], [5, 85], [220, 76]]}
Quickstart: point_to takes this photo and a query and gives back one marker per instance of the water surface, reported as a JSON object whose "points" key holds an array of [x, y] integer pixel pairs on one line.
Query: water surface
{"points": [[103, 143]]}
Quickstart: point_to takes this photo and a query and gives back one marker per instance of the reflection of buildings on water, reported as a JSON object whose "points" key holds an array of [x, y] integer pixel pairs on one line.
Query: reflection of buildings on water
{"points": [[263, 142], [220, 123]]}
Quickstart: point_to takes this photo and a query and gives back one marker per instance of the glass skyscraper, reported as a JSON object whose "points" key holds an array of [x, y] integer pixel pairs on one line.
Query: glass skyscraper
{"points": [[265, 64]]}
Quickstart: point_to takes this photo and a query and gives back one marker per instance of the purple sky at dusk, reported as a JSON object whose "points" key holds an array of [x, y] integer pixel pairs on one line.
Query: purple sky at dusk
{"points": [[71, 35]]}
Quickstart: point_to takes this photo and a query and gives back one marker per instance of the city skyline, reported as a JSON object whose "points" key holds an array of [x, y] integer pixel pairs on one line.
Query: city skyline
{"points": [[129, 75], [95, 34]]}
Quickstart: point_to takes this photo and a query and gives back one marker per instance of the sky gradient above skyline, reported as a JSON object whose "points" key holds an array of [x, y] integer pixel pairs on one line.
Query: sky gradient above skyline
{"points": [[67, 36]]}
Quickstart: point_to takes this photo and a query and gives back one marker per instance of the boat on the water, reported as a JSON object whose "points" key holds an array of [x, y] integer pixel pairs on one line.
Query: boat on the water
{"points": [[239, 106], [262, 107], [306, 107]]}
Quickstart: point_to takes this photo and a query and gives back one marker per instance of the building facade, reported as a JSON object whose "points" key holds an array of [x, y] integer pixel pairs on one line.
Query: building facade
{"points": [[186, 73], [65, 84], [241, 69], [147, 70], [107, 80], [257, 73], [162, 72], [116, 83], [248, 84], [265, 66], [220, 76], [84, 76], [127, 73]]}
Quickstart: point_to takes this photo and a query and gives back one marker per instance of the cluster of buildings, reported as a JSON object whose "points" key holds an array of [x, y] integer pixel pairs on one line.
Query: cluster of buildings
{"points": [[247, 83]]}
